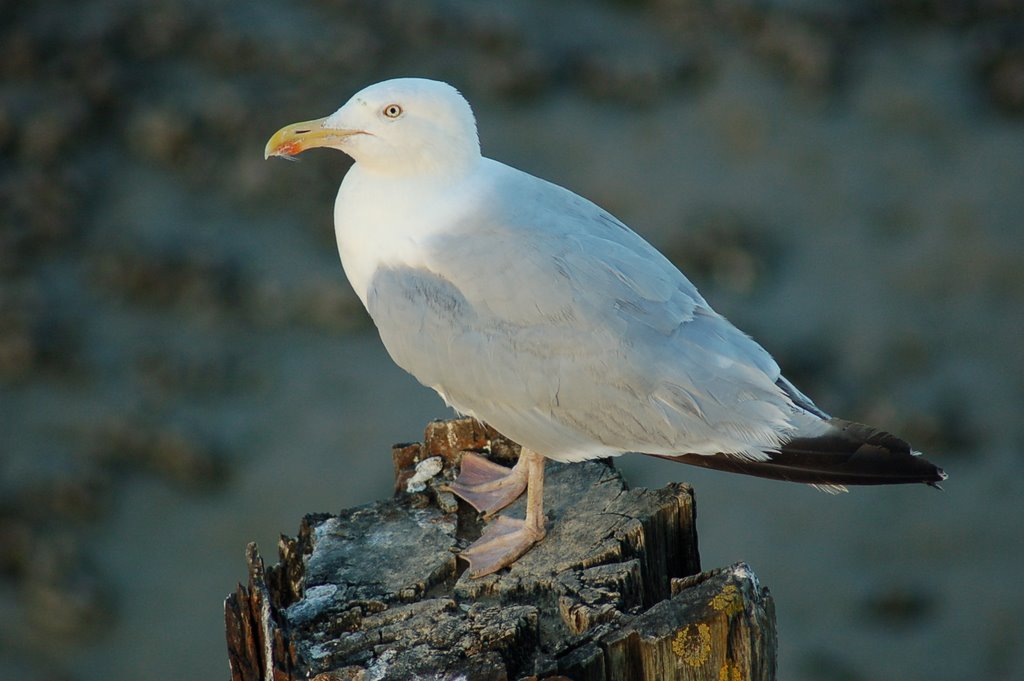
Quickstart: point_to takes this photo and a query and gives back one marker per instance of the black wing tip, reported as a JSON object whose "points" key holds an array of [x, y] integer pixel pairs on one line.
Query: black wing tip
{"points": [[941, 475]]}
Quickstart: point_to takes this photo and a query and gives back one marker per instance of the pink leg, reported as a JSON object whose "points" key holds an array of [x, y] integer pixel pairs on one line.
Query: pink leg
{"points": [[506, 539]]}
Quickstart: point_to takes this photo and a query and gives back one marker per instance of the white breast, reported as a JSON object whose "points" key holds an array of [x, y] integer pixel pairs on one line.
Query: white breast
{"points": [[384, 221]]}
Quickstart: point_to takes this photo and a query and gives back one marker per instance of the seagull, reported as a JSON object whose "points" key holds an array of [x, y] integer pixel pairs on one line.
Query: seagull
{"points": [[536, 311]]}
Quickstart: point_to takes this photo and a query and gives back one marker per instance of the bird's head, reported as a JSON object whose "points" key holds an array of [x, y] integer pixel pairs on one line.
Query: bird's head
{"points": [[400, 126]]}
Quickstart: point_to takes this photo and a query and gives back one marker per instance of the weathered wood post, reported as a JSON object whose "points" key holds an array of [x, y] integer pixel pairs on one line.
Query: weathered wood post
{"points": [[613, 592]]}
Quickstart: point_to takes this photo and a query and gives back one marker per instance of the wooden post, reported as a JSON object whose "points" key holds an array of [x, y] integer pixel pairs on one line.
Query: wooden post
{"points": [[613, 592]]}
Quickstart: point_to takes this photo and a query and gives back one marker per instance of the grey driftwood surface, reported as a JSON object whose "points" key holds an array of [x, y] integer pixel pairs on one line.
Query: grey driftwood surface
{"points": [[614, 591]]}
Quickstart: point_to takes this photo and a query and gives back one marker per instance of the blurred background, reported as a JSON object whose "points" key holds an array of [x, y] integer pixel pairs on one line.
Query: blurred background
{"points": [[183, 367]]}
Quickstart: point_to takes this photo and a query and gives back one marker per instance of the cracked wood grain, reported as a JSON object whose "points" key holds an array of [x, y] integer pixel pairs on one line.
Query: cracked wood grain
{"points": [[613, 592]]}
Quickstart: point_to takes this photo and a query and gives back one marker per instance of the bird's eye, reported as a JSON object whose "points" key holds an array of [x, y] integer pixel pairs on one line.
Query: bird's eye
{"points": [[392, 111]]}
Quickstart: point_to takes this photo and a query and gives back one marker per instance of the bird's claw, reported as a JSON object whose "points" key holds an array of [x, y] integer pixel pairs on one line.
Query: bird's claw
{"points": [[487, 486], [503, 541]]}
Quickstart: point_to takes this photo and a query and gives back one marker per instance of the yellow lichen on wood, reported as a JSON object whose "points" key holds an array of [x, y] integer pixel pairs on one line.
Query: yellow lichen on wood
{"points": [[729, 600], [730, 672], [693, 644]]}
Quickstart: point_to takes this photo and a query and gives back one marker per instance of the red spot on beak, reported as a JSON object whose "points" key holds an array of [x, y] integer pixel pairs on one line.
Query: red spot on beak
{"points": [[292, 148]]}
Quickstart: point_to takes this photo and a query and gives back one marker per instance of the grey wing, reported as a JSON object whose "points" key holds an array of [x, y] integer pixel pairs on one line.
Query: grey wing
{"points": [[581, 340]]}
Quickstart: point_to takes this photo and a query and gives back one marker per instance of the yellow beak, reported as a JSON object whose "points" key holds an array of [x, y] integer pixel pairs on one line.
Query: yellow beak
{"points": [[296, 138]]}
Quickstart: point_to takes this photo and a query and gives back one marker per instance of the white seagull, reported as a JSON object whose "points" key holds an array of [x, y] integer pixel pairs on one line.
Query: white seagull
{"points": [[534, 310]]}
